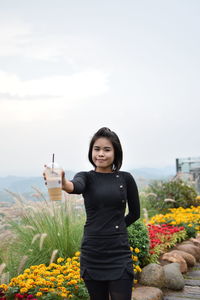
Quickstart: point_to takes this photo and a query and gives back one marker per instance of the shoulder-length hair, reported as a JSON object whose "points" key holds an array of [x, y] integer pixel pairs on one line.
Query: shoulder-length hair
{"points": [[113, 138]]}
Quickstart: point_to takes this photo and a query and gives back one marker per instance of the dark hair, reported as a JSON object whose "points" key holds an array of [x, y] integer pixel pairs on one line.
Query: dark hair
{"points": [[113, 138]]}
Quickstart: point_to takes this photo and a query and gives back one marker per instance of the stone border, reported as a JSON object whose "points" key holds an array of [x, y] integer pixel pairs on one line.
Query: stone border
{"points": [[156, 278]]}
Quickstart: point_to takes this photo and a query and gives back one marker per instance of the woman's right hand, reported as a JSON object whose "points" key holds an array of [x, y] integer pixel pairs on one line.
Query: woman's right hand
{"points": [[63, 180], [67, 185], [44, 176]]}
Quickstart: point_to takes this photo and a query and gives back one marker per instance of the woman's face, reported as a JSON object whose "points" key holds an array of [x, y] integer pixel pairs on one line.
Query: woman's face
{"points": [[103, 155]]}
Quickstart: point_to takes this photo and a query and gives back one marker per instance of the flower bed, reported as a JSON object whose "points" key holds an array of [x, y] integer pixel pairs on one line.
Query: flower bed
{"points": [[187, 217], [179, 215], [162, 237], [56, 281]]}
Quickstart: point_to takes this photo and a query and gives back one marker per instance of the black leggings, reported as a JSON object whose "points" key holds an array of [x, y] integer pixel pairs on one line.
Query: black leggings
{"points": [[117, 289]]}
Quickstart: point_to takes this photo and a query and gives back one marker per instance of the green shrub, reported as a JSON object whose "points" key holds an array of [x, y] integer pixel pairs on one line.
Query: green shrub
{"points": [[190, 229], [161, 195], [139, 238]]}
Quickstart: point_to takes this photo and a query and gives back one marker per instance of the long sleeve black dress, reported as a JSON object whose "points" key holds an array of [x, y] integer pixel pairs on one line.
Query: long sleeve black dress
{"points": [[105, 251]]}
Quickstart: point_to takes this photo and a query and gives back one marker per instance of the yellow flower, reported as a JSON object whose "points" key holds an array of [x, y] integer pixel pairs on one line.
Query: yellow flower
{"points": [[44, 289], [52, 278], [77, 253], [59, 260], [135, 258], [131, 248], [4, 287], [38, 294], [190, 225], [23, 290], [173, 223], [138, 269], [137, 250], [135, 281], [64, 295]]}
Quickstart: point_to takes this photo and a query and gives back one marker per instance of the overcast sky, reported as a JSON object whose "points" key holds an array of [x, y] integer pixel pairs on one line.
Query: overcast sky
{"points": [[69, 67]]}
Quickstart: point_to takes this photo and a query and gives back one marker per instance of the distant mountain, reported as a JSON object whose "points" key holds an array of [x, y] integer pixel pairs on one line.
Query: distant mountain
{"points": [[23, 185], [20, 184], [144, 176], [154, 173]]}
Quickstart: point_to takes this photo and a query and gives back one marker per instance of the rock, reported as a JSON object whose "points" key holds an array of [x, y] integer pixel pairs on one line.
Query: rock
{"points": [[196, 242], [189, 248], [190, 259], [152, 275], [147, 293], [173, 278], [176, 258], [187, 242]]}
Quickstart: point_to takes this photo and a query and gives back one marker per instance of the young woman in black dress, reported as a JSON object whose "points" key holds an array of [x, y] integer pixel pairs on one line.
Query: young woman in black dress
{"points": [[106, 264]]}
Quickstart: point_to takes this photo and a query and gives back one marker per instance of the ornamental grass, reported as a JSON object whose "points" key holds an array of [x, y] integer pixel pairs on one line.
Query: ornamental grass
{"points": [[38, 233]]}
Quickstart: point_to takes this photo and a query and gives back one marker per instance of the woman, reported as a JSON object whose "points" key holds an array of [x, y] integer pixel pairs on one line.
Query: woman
{"points": [[106, 264]]}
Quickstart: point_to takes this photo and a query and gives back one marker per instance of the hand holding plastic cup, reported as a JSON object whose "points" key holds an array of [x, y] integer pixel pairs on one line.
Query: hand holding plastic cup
{"points": [[53, 175]]}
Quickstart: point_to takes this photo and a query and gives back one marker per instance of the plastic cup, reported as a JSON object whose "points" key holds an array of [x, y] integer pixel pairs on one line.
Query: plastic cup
{"points": [[54, 182]]}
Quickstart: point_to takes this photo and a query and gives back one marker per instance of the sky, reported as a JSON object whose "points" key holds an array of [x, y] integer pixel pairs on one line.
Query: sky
{"points": [[68, 68]]}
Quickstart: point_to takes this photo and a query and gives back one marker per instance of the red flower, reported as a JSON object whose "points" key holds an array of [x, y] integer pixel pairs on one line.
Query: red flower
{"points": [[19, 296]]}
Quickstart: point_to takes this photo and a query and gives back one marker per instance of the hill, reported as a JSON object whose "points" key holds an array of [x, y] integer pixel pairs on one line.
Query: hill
{"points": [[24, 185]]}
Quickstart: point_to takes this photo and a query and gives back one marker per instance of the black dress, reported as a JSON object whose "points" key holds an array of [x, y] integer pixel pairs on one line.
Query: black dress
{"points": [[105, 251]]}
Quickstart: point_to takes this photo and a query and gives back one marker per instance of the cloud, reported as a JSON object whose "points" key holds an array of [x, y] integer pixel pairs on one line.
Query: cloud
{"points": [[79, 85], [21, 41], [13, 35], [19, 38]]}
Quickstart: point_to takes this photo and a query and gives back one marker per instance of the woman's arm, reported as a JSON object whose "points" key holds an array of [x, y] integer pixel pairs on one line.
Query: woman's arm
{"points": [[133, 201], [75, 186]]}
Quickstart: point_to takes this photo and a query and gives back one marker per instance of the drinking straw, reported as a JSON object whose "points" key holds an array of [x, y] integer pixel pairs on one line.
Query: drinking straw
{"points": [[53, 161]]}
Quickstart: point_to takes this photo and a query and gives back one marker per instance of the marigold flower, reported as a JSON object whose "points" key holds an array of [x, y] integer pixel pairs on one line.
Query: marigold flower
{"points": [[4, 287], [135, 258], [64, 295], [59, 260], [137, 250], [138, 269], [23, 290]]}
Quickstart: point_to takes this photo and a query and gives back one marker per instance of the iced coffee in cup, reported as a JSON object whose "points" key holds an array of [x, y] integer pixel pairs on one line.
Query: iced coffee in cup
{"points": [[53, 174]]}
